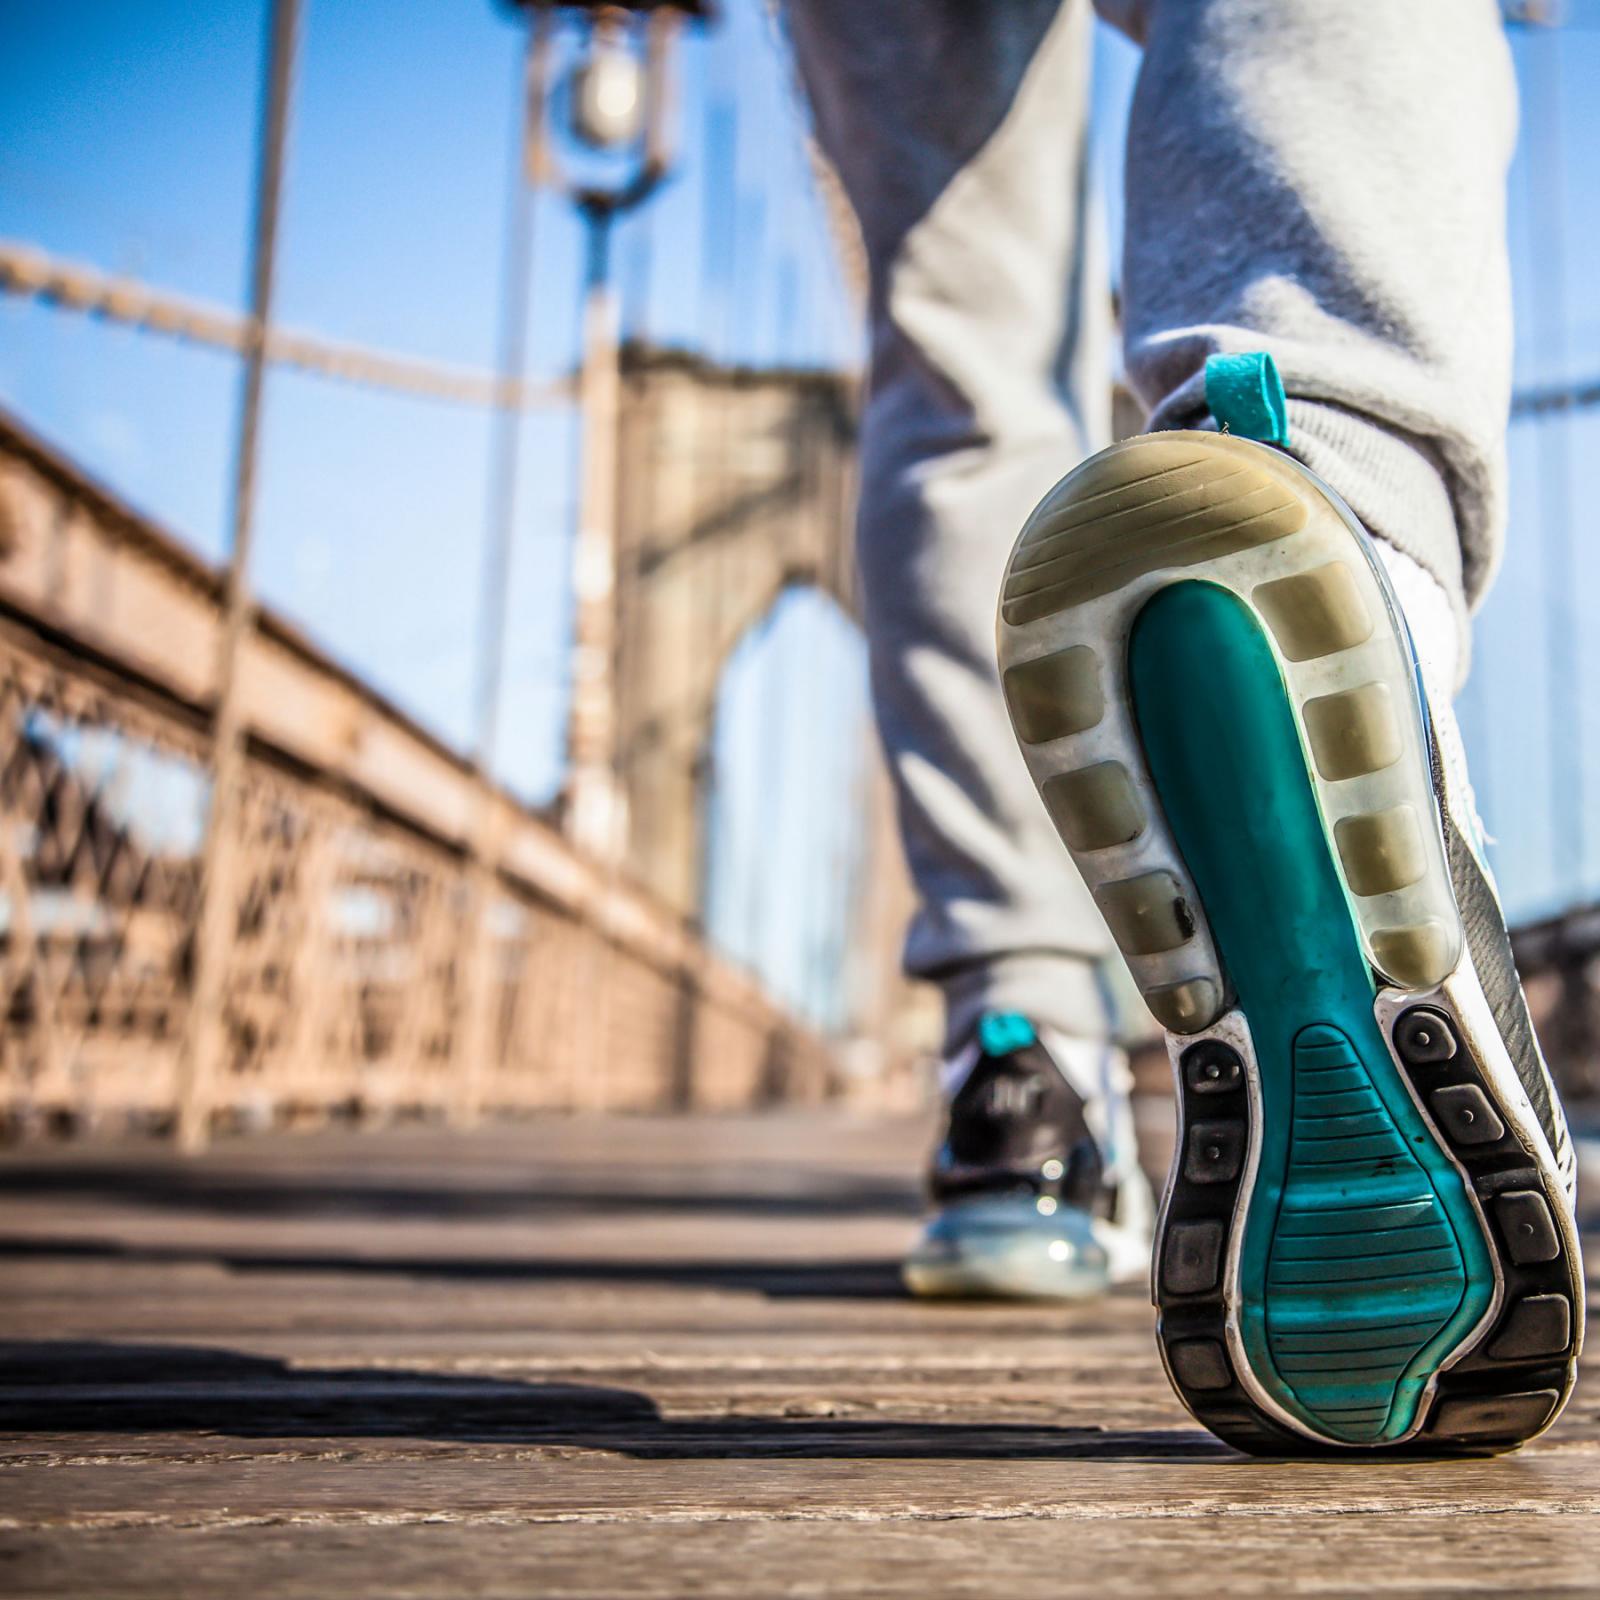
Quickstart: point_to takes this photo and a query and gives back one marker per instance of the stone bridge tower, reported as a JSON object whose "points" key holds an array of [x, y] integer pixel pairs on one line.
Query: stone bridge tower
{"points": [[736, 483]]}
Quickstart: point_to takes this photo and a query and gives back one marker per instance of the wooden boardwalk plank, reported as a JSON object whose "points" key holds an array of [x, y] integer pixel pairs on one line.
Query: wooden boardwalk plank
{"points": [[644, 1358]]}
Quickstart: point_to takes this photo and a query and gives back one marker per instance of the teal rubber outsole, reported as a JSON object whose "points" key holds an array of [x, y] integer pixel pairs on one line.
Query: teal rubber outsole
{"points": [[1364, 1264]]}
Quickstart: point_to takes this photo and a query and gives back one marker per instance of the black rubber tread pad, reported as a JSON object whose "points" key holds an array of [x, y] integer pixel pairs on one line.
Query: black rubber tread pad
{"points": [[1423, 1035], [1538, 1325], [1200, 1364], [1529, 1229], [1497, 1416], [1215, 1152], [1212, 1071], [1191, 1262], [1463, 1111]]}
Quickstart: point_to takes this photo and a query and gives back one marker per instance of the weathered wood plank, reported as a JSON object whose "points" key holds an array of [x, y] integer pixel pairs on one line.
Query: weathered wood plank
{"points": [[641, 1358], [623, 1480], [1020, 1557]]}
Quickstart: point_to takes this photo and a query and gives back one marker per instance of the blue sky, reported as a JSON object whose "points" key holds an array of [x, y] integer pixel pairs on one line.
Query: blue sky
{"points": [[1525, 760], [126, 134]]}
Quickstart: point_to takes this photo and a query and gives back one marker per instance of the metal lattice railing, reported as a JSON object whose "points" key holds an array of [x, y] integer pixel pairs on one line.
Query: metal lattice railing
{"points": [[350, 978]]}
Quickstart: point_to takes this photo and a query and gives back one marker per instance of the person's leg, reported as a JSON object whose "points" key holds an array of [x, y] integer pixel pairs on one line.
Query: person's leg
{"points": [[957, 131], [1327, 183]]}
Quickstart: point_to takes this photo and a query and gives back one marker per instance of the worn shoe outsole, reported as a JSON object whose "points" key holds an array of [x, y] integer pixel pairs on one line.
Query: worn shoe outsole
{"points": [[1367, 1240]]}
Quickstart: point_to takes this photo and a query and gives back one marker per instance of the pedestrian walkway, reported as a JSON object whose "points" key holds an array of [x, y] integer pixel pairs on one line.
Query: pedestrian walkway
{"points": [[641, 1358]]}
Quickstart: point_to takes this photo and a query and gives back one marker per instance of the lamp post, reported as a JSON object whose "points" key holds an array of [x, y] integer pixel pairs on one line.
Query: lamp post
{"points": [[615, 88], [619, 119]]}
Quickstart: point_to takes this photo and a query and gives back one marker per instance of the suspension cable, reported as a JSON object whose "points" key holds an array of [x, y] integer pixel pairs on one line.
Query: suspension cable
{"points": [[32, 274]]}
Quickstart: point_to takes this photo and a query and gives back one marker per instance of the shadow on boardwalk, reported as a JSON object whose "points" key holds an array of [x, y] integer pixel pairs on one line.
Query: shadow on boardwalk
{"points": [[832, 1279], [63, 1386], [205, 1191]]}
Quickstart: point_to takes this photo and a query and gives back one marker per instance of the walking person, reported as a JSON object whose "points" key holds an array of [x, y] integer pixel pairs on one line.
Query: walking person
{"points": [[1227, 649]]}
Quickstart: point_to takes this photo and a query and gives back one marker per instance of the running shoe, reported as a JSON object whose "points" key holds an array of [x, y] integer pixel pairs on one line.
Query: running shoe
{"points": [[1367, 1240], [1035, 1189]]}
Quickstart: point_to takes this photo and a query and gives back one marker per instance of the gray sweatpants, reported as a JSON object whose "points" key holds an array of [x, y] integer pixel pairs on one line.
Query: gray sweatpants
{"points": [[1323, 179]]}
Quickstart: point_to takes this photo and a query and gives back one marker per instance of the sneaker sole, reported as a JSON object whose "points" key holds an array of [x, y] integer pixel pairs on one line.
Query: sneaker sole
{"points": [[1365, 1241], [1005, 1247]]}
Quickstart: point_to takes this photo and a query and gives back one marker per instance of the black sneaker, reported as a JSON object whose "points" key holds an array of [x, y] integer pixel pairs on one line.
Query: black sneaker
{"points": [[1030, 1203]]}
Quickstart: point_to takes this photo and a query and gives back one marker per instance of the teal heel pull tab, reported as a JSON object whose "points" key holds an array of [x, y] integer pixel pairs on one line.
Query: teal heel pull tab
{"points": [[1245, 395], [1000, 1033]]}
